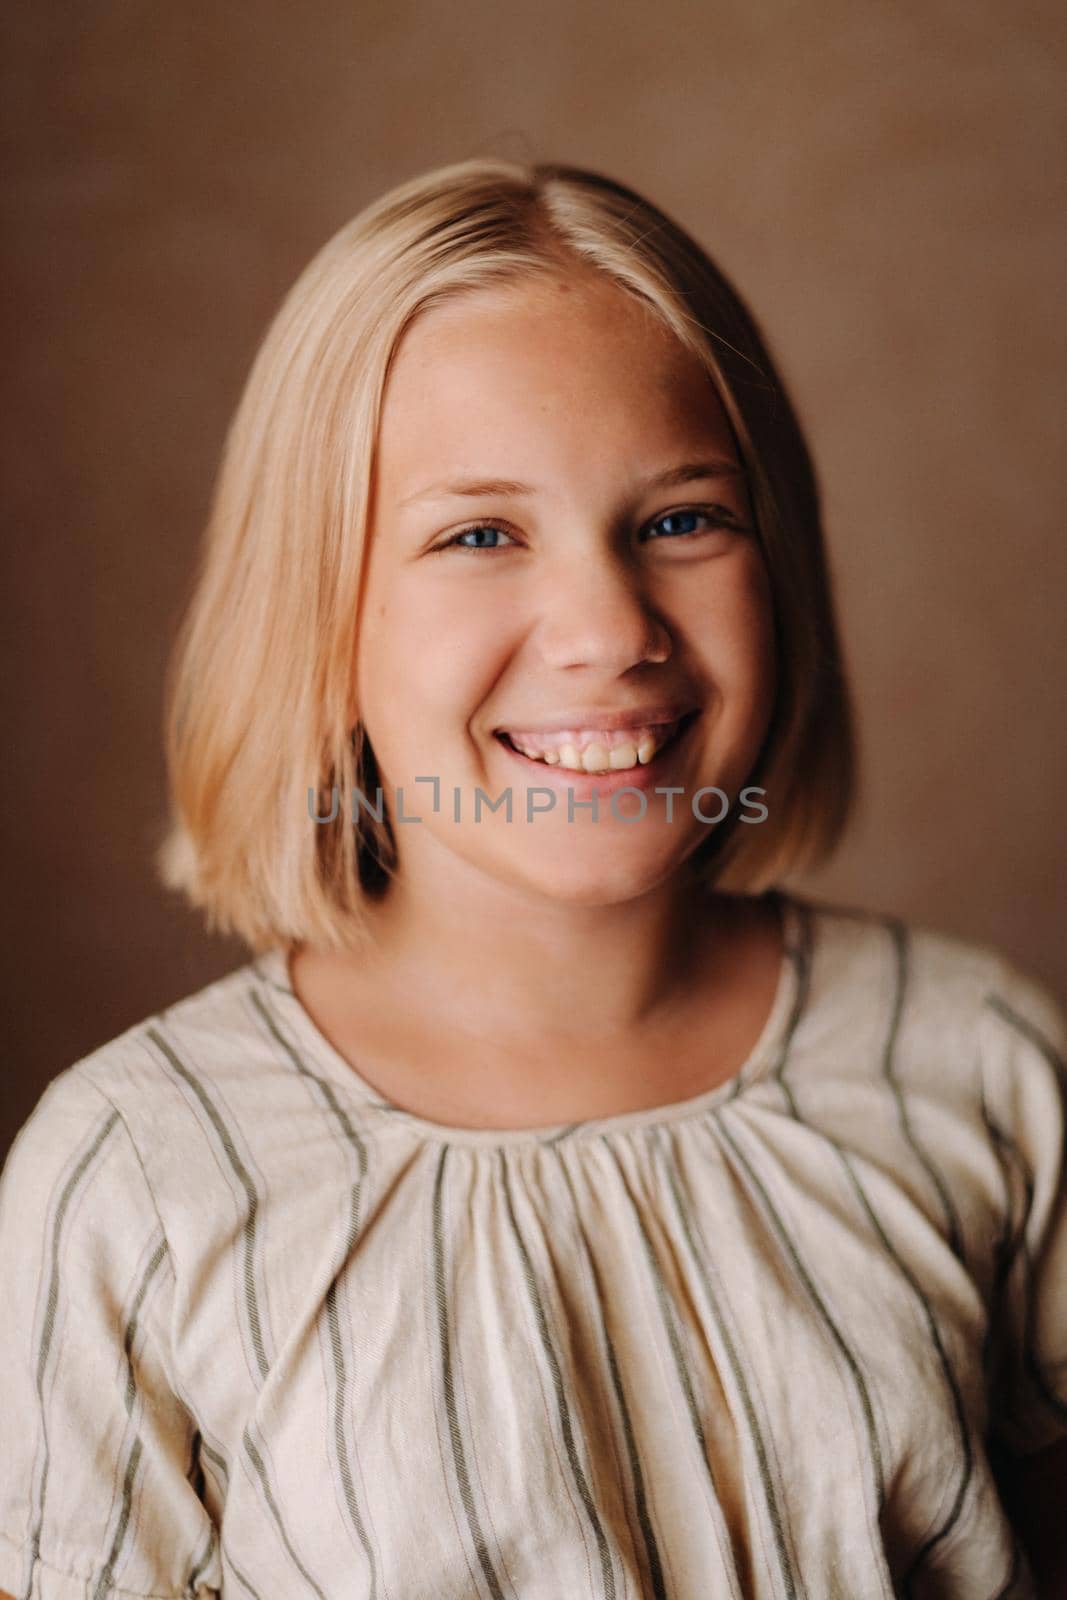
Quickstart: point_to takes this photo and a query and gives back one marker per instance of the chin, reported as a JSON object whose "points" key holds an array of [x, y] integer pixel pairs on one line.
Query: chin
{"points": [[610, 880]]}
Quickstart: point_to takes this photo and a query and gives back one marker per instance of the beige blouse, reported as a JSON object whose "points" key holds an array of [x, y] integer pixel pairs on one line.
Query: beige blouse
{"points": [[267, 1335]]}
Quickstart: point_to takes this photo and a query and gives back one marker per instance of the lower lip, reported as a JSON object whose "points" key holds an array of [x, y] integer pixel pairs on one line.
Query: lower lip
{"points": [[585, 784]]}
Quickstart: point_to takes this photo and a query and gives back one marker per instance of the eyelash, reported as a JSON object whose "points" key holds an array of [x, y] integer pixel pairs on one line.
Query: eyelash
{"points": [[717, 516]]}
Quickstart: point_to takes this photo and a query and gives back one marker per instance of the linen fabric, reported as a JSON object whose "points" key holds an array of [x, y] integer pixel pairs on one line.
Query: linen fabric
{"points": [[268, 1335]]}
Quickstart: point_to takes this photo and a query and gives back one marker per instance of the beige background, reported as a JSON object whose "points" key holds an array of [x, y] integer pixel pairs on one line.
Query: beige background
{"points": [[885, 182]]}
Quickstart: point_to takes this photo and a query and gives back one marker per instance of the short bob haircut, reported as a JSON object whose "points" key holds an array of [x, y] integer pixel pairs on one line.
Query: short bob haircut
{"points": [[262, 702]]}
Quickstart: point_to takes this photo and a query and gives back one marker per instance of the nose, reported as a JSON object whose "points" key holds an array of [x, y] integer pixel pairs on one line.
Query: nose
{"points": [[596, 612]]}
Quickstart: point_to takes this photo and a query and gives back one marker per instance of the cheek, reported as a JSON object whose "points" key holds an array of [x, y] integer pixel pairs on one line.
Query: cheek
{"points": [[737, 620], [426, 659], [757, 612]]}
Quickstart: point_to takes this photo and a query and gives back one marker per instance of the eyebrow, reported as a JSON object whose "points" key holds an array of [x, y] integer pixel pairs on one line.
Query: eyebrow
{"points": [[500, 488]]}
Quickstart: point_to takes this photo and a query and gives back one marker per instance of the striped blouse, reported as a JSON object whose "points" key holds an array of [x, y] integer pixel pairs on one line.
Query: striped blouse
{"points": [[267, 1335]]}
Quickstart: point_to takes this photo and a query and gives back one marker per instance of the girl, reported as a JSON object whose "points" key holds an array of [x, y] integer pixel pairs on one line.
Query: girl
{"points": [[554, 1206]]}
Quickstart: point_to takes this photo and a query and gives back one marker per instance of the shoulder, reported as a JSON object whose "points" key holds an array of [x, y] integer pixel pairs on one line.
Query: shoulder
{"points": [[130, 1088], [219, 1034], [931, 979]]}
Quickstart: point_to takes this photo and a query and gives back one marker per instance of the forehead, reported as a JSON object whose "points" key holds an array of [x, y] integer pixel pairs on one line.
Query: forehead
{"points": [[557, 371]]}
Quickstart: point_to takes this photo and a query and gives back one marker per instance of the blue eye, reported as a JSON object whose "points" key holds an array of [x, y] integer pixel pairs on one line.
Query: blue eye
{"points": [[456, 541], [685, 521]]}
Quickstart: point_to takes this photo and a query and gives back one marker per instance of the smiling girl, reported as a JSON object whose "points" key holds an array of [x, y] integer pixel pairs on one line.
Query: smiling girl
{"points": [[554, 1206]]}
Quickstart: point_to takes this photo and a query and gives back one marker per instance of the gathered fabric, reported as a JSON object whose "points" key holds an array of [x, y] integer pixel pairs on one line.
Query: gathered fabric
{"points": [[267, 1334]]}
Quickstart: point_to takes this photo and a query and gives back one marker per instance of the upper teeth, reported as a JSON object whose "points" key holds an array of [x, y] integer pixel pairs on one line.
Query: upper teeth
{"points": [[590, 750]]}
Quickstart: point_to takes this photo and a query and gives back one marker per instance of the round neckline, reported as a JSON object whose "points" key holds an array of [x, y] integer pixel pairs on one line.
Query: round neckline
{"points": [[272, 966]]}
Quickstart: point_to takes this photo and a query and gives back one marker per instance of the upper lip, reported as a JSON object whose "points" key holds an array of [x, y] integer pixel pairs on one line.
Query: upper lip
{"points": [[605, 721]]}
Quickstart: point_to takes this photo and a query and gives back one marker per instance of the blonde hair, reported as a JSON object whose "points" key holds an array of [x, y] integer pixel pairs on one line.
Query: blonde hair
{"points": [[261, 687]]}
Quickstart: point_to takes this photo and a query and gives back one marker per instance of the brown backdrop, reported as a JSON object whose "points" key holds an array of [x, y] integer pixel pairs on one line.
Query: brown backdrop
{"points": [[885, 183]]}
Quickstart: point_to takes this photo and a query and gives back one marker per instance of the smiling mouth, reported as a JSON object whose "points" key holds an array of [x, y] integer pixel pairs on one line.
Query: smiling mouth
{"points": [[622, 754]]}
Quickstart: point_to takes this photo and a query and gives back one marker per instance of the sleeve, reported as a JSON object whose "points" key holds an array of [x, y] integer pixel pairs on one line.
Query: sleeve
{"points": [[1023, 1050], [96, 1449]]}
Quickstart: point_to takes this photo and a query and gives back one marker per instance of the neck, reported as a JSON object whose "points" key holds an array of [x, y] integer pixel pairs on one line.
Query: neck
{"points": [[493, 963]]}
